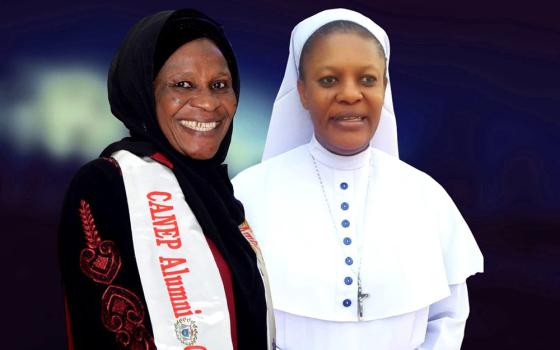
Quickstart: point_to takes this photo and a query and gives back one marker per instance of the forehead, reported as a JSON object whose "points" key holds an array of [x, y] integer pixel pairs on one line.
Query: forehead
{"points": [[345, 47], [201, 51]]}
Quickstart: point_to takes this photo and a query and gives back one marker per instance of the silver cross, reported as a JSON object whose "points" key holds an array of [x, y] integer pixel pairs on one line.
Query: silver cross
{"points": [[361, 297]]}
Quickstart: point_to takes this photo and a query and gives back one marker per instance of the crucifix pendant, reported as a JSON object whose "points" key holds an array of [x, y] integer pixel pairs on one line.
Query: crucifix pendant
{"points": [[361, 298]]}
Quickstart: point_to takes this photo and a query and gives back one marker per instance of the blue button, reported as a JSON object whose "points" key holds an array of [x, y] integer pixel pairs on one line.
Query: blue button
{"points": [[344, 206], [349, 261], [348, 281], [343, 185], [345, 223], [347, 240], [347, 302]]}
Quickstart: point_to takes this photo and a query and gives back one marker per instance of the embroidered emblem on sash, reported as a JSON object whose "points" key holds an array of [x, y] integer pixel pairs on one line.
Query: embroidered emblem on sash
{"points": [[186, 331], [100, 261]]}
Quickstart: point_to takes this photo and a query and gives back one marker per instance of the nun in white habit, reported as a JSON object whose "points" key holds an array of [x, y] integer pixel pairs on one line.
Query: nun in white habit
{"points": [[363, 251]]}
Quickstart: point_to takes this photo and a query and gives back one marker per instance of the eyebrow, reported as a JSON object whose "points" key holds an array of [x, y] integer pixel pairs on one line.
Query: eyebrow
{"points": [[227, 73], [192, 72]]}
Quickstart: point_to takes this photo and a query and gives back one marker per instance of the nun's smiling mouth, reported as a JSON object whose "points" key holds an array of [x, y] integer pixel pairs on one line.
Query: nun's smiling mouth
{"points": [[349, 120], [199, 126]]}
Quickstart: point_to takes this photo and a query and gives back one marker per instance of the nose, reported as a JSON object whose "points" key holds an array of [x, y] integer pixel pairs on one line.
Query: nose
{"points": [[205, 100], [349, 93]]}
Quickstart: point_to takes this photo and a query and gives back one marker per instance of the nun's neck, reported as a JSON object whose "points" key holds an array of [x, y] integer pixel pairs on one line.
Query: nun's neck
{"points": [[335, 161]]}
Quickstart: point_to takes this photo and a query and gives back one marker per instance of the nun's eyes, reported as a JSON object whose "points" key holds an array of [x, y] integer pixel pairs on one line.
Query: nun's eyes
{"points": [[183, 85], [327, 81], [368, 80]]}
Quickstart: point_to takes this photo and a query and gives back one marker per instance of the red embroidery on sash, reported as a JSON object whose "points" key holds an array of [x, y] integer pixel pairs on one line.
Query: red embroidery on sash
{"points": [[100, 261], [123, 314]]}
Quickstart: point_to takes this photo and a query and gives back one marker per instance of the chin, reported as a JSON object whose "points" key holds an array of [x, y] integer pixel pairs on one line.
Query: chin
{"points": [[198, 154], [201, 156], [348, 150]]}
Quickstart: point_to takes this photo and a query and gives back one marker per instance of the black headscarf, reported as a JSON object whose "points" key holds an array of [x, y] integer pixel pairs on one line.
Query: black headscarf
{"points": [[204, 183]]}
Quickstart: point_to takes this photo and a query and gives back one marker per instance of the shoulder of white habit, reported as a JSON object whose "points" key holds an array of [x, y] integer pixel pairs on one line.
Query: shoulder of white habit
{"points": [[416, 242], [180, 279]]}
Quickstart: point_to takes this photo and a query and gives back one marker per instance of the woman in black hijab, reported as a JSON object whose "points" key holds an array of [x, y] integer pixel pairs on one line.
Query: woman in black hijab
{"points": [[174, 83]]}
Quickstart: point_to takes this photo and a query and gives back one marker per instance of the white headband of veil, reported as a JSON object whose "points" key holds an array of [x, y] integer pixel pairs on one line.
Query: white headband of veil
{"points": [[290, 124]]}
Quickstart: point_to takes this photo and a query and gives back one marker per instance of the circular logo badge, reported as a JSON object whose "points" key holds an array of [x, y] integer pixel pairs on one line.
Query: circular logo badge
{"points": [[186, 331]]}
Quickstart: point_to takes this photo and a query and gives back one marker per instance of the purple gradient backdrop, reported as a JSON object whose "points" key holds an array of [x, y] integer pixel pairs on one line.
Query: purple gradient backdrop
{"points": [[476, 94]]}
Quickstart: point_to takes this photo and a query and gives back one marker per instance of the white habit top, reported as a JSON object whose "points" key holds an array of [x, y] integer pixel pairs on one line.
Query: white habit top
{"points": [[374, 216]]}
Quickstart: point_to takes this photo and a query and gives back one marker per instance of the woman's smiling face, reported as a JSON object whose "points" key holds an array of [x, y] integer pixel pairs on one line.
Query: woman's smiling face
{"points": [[195, 100], [343, 88]]}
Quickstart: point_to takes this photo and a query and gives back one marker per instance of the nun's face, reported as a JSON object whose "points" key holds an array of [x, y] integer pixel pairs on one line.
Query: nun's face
{"points": [[195, 101], [343, 89]]}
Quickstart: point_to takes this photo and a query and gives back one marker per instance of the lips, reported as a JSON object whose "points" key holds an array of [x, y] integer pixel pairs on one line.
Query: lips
{"points": [[349, 118], [199, 126]]}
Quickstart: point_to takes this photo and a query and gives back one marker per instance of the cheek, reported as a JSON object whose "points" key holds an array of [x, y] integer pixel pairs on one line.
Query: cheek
{"points": [[177, 101], [229, 104], [165, 104], [376, 100], [320, 103]]}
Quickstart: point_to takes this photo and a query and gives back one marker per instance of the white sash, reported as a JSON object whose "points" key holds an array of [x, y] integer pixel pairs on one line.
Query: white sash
{"points": [[181, 282]]}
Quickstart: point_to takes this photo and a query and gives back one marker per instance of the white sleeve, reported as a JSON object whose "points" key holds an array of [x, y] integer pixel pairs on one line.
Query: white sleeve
{"points": [[447, 319]]}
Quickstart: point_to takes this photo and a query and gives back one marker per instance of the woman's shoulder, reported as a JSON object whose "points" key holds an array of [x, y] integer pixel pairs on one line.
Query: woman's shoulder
{"points": [[95, 194], [98, 182], [278, 164], [399, 169], [407, 180], [100, 171]]}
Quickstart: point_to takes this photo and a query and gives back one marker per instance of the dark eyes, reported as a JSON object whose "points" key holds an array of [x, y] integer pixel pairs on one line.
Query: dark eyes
{"points": [[215, 85], [365, 80], [327, 81], [368, 80], [183, 84], [218, 85]]}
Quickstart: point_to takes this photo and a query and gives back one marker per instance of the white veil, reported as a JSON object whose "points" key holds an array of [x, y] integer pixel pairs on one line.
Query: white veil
{"points": [[290, 124]]}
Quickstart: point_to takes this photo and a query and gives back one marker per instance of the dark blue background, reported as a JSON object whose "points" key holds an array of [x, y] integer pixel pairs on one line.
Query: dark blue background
{"points": [[476, 92]]}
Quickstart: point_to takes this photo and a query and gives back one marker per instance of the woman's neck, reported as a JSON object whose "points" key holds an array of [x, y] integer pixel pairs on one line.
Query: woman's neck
{"points": [[335, 161]]}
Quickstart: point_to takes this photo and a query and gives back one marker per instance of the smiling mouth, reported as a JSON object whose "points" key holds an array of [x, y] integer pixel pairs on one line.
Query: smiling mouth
{"points": [[349, 118], [199, 126]]}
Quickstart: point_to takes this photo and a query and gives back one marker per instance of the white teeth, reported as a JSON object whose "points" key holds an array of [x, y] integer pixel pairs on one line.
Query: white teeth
{"points": [[349, 117], [199, 126]]}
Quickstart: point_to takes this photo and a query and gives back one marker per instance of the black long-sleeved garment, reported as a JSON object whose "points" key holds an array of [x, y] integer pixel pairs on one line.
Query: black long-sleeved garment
{"points": [[99, 273]]}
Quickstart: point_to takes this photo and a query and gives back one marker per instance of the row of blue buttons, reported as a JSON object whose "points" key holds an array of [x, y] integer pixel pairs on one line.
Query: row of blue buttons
{"points": [[344, 206], [347, 241]]}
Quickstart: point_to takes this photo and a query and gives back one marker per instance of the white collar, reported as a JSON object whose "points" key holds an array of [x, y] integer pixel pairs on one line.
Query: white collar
{"points": [[338, 162]]}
